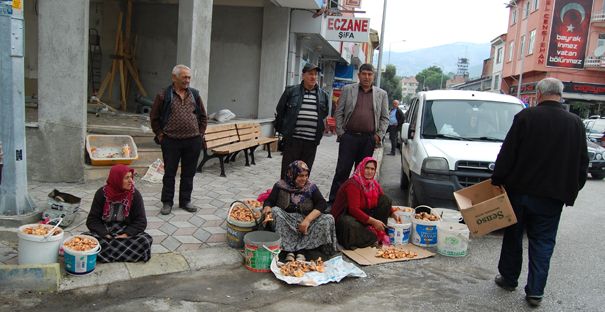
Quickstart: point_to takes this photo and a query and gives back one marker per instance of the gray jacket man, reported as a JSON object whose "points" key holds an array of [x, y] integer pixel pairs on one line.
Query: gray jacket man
{"points": [[362, 119]]}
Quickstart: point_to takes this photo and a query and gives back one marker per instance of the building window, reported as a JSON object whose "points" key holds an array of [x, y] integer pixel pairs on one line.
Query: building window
{"points": [[496, 83], [511, 46], [526, 11], [535, 6], [530, 44], [499, 56], [522, 47], [334, 4], [513, 17]]}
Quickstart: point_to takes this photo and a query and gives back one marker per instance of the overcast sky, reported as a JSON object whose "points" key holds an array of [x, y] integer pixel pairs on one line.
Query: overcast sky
{"points": [[429, 23]]}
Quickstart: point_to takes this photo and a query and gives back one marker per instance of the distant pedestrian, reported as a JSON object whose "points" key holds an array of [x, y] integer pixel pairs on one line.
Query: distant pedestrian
{"points": [[542, 164], [395, 122], [1, 163], [178, 119], [301, 112], [358, 133]]}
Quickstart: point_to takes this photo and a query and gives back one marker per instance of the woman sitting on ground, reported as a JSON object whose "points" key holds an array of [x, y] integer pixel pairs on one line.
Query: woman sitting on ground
{"points": [[117, 219], [360, 202], [297, 208]]}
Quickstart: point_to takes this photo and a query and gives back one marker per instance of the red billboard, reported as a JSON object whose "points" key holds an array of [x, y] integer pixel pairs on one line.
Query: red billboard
{"points": [[569, 33]]}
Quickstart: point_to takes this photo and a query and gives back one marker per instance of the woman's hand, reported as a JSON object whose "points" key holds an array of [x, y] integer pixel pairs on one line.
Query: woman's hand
{"points": [[108, 236], [122, 236], [397, 217], [377, 224], [266, 211], [304, 226]]}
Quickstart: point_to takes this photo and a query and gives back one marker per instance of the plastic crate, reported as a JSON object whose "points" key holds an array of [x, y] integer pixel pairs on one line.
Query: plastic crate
{"points": [[108, 145]]}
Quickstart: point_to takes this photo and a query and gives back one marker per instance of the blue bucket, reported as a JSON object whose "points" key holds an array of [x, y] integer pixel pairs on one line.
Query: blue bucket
{"points": [[81, 262]]}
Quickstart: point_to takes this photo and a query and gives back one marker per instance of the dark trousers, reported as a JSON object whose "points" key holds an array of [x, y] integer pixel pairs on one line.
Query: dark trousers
{"points": [[539, 216], [187, 151], [393, 136], [351, 151], [298, 149]]}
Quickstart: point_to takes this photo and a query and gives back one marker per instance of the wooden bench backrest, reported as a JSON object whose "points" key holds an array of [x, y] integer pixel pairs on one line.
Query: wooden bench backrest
{"points": [[247, 131], [220, 135]]}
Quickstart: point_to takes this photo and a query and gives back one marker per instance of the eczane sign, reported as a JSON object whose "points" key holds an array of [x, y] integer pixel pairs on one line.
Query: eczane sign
{"points": [[339, 28]]}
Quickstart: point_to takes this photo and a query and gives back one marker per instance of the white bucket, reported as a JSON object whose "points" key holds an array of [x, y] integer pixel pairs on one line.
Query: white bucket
{"points": [[452, 239], [424, 233], [81, 262], [39, 249], [448, 215], [399, 233]]}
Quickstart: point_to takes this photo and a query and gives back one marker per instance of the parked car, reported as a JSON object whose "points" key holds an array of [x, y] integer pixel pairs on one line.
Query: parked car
{"points": [[451, 140], [596, 154], [595, 129]]}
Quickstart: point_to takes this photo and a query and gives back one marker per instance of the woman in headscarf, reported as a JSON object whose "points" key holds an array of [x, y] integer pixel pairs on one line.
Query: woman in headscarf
{"points": [[117, 219], [297, 208], [360, 202]]}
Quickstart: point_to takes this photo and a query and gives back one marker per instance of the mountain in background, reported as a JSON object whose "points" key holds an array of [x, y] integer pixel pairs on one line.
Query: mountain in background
{"points": [[412, 62]]}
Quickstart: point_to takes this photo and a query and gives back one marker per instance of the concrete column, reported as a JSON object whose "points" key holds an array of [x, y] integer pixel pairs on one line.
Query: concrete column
{"points": [[274, 57], [58, 147], [193, 46], [291, 59]]}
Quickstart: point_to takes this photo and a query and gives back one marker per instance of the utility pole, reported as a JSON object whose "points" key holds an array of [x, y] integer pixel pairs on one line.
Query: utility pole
{"points": [[16, 206], [384, 17]]}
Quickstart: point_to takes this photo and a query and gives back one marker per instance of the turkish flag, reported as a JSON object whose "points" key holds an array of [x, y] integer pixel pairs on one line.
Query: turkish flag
{"points": [[569, 33]]}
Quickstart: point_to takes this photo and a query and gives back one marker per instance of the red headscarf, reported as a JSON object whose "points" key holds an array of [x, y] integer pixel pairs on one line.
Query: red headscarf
{"points": [[369, 186], [114, 191]]}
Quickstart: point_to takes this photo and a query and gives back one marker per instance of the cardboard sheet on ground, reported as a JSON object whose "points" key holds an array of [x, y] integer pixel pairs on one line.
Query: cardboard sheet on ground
{"points": [[336, 270], [367, 256]]}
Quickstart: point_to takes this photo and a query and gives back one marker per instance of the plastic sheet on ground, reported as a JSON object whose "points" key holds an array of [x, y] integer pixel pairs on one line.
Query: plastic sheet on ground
{"points": [[336, 270], [155, 173]]}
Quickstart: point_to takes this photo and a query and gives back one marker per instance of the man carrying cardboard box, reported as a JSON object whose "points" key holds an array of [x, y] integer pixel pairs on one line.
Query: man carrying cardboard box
{"points": [[540, 175]]}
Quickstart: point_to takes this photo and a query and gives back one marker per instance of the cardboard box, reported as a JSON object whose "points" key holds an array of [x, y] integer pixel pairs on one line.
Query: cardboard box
{"points": [[367, 256], [484, 208]]}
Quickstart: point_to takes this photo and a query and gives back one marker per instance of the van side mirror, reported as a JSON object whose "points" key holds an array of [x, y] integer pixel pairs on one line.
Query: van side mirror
{"points": [[406, 132]]}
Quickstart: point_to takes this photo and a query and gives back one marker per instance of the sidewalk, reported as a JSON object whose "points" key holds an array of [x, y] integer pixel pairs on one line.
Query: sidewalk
{"points": [[181, 240]]}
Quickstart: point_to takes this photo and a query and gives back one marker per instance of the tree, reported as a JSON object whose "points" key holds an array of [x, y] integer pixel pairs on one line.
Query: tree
{"points": [[431, 78], [391, 83], [407, 99]]}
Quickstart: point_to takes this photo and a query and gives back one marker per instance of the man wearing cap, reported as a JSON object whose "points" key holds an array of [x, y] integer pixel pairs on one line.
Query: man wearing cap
{"points": [[362, 118], [301, 112]]}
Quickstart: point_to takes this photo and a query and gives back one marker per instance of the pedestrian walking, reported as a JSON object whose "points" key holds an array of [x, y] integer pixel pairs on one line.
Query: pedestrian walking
{"points": [[542, 164], [301, 113], [358, 133], [178, 119], [395, 122]]}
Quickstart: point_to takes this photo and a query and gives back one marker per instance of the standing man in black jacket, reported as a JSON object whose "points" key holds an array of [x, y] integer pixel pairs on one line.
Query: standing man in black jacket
{"points": [[540, 175], [301, 112], [395, 122]]}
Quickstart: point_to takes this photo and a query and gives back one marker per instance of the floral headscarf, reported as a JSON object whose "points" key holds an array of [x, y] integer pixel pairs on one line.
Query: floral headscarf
{"points": [[114, 193], [369, 186], [297, 194]]}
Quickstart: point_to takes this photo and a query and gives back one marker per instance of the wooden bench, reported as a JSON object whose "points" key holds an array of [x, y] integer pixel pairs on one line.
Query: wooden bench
{"points": [[226, 141]]}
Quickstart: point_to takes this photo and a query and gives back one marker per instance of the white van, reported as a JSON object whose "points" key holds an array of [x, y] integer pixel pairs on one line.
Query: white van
{"points": [[451, 139]]}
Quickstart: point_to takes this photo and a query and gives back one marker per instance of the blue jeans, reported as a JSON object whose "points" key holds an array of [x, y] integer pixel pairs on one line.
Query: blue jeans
{"points": [[539, 217]]}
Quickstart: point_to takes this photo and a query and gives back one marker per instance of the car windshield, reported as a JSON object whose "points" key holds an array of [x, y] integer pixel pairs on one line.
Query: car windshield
{"points": [[595, 126], [468, 120]]}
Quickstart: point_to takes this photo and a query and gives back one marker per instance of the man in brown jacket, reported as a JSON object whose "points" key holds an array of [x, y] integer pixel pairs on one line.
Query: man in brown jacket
{"points": [[178, 119]]}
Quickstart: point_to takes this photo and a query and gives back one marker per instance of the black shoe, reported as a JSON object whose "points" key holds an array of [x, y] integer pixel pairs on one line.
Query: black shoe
{"points": [[533, 301], [166, 209], [391, 153], [188, 207], [502, 284]]}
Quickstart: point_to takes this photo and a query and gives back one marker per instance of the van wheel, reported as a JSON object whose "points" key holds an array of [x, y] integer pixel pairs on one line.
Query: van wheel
{"points": [[598, 176], [412, 199], [403, 182]]}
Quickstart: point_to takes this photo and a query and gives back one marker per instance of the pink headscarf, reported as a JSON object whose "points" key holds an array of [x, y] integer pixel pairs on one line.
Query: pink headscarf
{"points": [[115, 193], [370, 186]]}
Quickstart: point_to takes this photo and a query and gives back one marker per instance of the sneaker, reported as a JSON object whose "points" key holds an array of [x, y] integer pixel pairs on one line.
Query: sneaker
{"points": [[166, 209], [502, 284], [533, 301]]}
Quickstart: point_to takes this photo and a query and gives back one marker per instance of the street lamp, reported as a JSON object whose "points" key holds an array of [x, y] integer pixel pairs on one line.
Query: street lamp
{"points": [[390, 48], [384, 16], [423, 82], [442, 69], [508, 5]]}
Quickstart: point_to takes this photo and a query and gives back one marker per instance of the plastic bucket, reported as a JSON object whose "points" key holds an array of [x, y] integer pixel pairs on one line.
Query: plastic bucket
{"points": [[398, 233], [424, 233], [452, 239], [80, 262], [261, 247], [39, 249], [448, 215], [236, 230]]}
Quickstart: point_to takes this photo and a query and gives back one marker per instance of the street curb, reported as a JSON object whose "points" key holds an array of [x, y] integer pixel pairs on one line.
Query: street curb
{"points": [[29, 277]]}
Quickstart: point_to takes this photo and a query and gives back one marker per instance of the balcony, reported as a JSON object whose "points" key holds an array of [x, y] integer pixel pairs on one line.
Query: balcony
{"points": [[598, 18], [594, 63]]}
